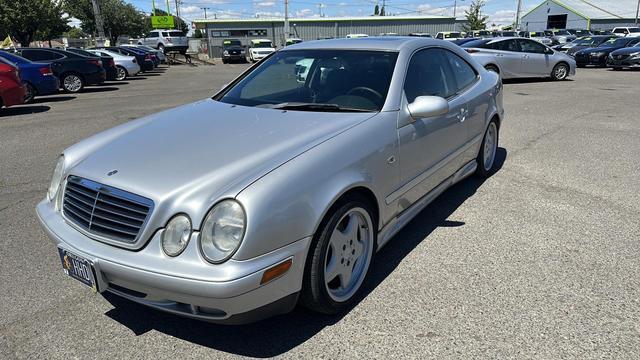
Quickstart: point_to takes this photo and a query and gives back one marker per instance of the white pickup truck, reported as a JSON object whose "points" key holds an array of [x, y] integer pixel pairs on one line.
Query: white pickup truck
{"points": [[166, 40]]}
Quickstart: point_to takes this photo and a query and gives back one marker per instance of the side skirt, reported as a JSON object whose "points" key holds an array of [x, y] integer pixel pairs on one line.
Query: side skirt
{"points": [[400, 221]]}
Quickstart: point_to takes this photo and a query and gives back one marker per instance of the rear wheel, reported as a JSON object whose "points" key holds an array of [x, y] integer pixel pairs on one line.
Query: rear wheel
{"points": [[340, 257], [161, 47], [560, 72], [30, 93], [487, 156], [72, 82], [121, 73], [492, 68]]}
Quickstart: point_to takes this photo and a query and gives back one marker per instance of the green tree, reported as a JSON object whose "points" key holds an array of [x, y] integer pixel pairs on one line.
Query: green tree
{"points": [[382, 13], [376, 10], [198, 34], [119, 18], [475, 19], [75, 33], [27, 20]]}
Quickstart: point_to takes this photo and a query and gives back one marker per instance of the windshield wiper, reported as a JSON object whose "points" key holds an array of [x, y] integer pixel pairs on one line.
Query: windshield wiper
{"points": [[315, 107]]}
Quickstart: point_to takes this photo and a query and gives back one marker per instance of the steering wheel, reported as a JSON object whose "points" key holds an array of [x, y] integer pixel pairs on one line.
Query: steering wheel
{"points": [[364, 89]]}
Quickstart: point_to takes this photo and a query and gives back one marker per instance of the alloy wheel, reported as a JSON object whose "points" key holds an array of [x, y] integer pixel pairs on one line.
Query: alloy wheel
{"points": [[121, 74], [490, 145], [72, 83], [348, 254]]}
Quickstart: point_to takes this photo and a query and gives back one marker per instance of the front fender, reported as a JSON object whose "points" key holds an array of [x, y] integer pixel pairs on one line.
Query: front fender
{"points": [[290, 202]]}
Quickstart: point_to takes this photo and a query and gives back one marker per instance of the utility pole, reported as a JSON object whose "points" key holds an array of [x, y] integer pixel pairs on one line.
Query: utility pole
{"points": [[320, 6], [286, 20], [517, 24], [637, 11], [99, 25], [205, 12], [177, 24]]}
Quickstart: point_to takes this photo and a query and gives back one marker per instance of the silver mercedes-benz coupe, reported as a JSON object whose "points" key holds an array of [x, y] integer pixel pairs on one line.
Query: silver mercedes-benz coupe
{"points": [[280, 188]]}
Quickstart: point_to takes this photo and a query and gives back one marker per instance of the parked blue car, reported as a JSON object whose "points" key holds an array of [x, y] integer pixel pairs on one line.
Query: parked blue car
{"points": [[37, 77]]}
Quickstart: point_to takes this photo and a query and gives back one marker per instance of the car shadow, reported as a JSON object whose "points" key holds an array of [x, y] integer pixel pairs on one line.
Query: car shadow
{"points": [[52, 98], [277, 335], [98, 89], [112, 83], [23, 110], [136, 77], [146, 73], [531, 80]]}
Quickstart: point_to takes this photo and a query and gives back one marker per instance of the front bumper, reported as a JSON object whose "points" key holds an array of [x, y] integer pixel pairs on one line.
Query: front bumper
{"points": [[226, 293], [583, 60], [234, 57], [622, 63]]}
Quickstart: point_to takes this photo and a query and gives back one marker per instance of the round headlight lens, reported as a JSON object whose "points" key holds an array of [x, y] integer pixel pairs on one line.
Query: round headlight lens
{"points": [[56, 179], [222, 231], [176, 235]]}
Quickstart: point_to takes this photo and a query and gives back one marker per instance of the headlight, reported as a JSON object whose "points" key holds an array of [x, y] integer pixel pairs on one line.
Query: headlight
{"points": [[242, 51], [222, 231], [598, 54], [225, 53], [176, 235], [56, 179], [635, 55]]}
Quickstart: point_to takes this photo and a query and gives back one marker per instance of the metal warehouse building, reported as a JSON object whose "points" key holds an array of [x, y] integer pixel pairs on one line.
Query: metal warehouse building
{"points": [[580, 14], [316, 28]]}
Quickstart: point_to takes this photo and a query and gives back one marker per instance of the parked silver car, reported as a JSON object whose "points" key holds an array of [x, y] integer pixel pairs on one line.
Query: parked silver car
{"points": [[282, 186], [125, 65], [521, 58]]}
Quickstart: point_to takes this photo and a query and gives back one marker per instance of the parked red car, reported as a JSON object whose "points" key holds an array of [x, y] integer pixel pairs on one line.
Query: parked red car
{"points": [[12, 92]]}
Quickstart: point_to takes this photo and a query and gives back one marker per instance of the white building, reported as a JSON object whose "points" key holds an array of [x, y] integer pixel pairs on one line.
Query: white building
{"points": [[580, 14]]}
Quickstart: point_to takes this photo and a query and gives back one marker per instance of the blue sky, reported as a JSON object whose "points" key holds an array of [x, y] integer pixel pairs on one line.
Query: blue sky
{"points": [[500, 11]]}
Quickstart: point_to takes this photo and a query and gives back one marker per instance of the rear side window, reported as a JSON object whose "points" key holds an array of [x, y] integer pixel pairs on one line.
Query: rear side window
{"points": [[464, 74], [429, 75], [620, 31], [153, 34], [530, 46], [506, 45], [37, 55], [176, 33]]}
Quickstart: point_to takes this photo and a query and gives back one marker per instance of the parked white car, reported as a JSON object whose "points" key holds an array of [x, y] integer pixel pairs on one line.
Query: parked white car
{"points": [[626, 31], [125, 65], [260, 48], [166, 40], [449, 35]]}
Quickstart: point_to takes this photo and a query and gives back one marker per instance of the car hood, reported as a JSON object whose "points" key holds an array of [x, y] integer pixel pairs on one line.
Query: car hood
{"points": [[234, 47], [197, 153], [263, 49], [627, 51]]}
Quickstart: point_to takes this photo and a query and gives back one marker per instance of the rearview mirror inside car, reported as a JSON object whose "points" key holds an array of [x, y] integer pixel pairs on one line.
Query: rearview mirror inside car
{"points": [[428, 106]]}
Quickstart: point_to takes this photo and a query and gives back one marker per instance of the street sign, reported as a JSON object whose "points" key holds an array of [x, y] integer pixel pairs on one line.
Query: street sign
{"points": [[162, 22]]}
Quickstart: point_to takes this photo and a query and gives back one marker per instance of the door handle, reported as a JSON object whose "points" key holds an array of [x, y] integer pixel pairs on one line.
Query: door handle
{"points": [[462, 116]]}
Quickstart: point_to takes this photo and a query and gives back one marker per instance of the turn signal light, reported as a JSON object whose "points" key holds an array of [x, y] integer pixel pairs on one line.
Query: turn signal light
{"points": [[45, 70], [276, 271]]}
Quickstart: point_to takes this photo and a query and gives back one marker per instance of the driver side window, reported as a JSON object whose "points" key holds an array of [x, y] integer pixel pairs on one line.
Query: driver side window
{"points": [[428, 75]]}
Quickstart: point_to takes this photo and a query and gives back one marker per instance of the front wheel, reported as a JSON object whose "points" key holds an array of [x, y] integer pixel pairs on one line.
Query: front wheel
{"points": [[487, 156], [340, 257], [121, 73], [161, 48], [72, 83], [560, 72]]}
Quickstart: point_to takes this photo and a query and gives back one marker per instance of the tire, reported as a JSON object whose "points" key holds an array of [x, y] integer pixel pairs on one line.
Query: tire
{"points": [[560, 72], [616, 68], [486, 159], [161, 47], [30, 93], [224, 61], [121, 73], [72, 82], [345, 242]]}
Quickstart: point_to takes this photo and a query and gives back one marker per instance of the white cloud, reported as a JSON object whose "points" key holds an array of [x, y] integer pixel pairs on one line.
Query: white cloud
{"points": [[265, 3]]}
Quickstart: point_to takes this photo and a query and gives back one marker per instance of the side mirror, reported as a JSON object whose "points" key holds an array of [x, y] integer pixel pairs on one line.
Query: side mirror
{"points": [[549, 51], [428, 106]]}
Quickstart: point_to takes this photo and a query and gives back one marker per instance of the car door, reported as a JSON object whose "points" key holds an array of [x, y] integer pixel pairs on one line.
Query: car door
{"points": [[536, 60], [428, 147], [508, 57]]}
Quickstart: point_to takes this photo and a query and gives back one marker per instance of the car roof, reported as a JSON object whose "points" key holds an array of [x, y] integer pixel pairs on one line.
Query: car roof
{"points": [[385, 43]]}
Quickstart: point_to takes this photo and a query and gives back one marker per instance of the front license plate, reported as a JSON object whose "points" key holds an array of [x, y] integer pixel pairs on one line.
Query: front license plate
{"points": [[78, 268]]}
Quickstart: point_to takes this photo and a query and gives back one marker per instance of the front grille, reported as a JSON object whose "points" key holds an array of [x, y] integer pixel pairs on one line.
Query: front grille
{"points": [[105, 211], [621, 57]]}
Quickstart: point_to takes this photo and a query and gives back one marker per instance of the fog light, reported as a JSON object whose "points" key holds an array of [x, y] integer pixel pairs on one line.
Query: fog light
{"points": [[276, 271]]}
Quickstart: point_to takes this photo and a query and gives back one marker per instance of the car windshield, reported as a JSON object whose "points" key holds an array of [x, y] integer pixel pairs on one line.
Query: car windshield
{"points": [[614, 42], [262, 44], [509, 33], [317, 80], [14, 58], [584, 41], [537, 34], [582, 33], [452, 35], [561, 32], [228, 43]]}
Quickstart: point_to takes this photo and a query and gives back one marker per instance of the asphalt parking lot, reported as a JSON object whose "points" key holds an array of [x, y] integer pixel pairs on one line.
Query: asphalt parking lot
{"points": [[539, 261]]}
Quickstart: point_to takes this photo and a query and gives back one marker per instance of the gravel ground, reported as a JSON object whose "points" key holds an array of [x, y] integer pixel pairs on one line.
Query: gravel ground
{"points": [[539, 261]]}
